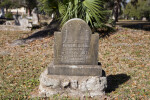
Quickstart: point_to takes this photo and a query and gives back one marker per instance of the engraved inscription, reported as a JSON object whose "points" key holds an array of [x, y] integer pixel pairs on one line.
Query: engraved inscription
{"points": [[74, 53], [74, 44]]}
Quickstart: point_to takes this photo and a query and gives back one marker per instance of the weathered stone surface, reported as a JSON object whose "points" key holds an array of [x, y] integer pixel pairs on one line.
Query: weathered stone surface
{"points": [[24, 22], [90, 86], [35, 18], [82, 86], [103, 81], [75, 51], [2, 13], [21, 25], [46, 91], [45, 80], [65, 83], [75, 44], [75, 70], [16, 18], [9, 23], [144, 19], [95, 83], [74, 84]]}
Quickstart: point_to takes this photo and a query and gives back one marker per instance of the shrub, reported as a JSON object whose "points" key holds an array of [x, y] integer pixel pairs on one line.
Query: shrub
{"points": [[9, 15]]}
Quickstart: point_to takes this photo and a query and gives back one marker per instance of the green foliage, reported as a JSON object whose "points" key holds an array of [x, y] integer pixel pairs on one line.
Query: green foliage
{"points": [[31, 3], [130, 10], [116, 6], [14, 3], [6, 4], [111, 3], [91, 11], [138, 9], [9, 15]]}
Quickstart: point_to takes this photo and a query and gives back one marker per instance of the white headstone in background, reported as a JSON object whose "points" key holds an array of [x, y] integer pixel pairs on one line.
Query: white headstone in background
{"points": [[144, 19], [16, 18], [24, 22], [35, 18], [2, 12], [132, 18], [52, 16]]}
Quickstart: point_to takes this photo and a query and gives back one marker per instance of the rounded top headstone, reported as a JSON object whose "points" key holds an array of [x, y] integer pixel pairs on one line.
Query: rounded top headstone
{"points": [[76, 29], [75, 44]]}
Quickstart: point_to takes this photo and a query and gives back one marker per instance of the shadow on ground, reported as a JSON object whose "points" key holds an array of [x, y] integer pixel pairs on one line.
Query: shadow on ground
{"points": [[140, 25], [41, 34], [106, 32], [47, 31], [113, 81]]}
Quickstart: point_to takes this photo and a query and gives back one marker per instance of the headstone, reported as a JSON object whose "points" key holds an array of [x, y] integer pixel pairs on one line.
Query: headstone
{"points": [[24, 22], [16, 18], [2, 13], [76, 45], [11, 23], [52, 16], [35, 18], [144, 19], [75, 71], [132, 18]]}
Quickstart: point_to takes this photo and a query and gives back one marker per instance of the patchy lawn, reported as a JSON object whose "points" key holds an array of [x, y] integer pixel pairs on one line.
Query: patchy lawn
{"points": [[125, 57], [127, 54]]}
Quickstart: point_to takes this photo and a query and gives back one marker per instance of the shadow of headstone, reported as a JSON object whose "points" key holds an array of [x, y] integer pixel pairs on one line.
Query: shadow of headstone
{"points": [[47, 31], [113, 81]]}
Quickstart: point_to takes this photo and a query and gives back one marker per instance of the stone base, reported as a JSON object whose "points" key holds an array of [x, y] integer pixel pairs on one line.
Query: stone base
{"points": [[75, 70], [72, 86]]}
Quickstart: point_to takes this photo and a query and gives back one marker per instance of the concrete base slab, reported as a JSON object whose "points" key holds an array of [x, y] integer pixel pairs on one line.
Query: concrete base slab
{"points": [[71, 86], [75, 70]]}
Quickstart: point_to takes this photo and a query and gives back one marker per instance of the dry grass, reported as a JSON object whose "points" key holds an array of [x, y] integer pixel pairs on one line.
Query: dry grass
{"points": [[128, 52], [124, 54]]}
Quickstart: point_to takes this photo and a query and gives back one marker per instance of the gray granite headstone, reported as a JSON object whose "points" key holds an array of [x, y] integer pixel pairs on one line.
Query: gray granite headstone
{"points": [[75, 44], [75, 50], [24, 22], [132, 18], [2, 12], [144, 19], [75, 71], [35, 18], [16, 18]]}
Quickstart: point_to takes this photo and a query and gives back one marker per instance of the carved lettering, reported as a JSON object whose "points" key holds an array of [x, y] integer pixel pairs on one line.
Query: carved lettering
{"points": [[74, 46]]}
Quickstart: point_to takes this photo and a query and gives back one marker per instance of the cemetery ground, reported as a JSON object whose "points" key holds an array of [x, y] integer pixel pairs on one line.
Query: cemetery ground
{"points": [[124, 55]]}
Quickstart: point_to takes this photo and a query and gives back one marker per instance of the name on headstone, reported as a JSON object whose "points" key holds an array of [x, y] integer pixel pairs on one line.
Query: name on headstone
{"points": [[76, 45]]}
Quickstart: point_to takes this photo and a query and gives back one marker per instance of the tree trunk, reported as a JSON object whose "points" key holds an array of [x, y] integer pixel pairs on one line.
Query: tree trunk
{"points": [[6, 10], [116, 7], [30, 12]]}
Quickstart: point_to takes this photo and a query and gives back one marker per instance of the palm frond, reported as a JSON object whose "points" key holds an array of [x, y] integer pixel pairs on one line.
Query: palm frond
{"points": [[91, 11]]}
